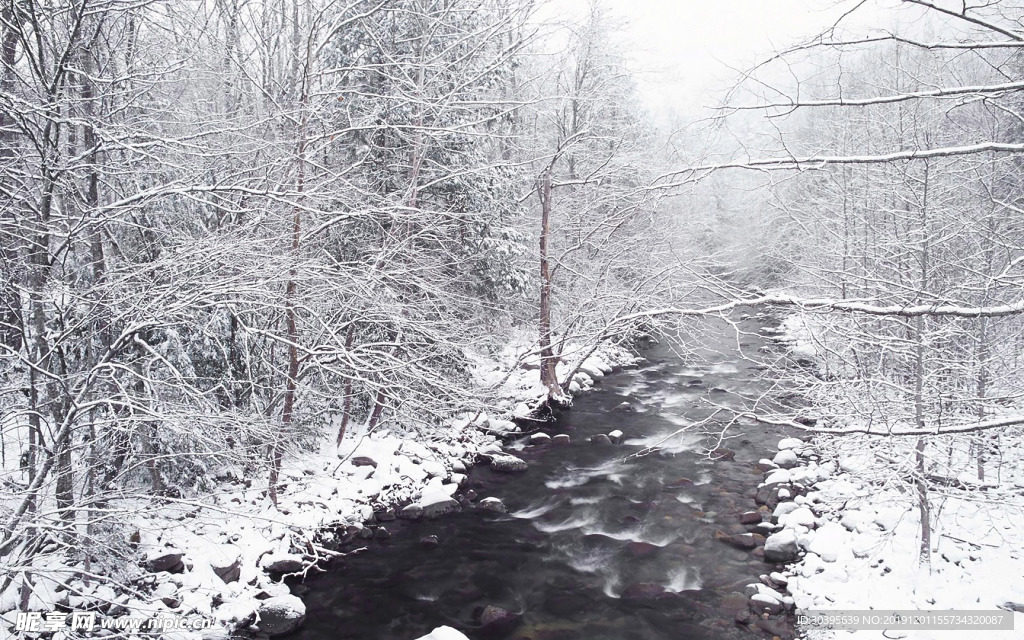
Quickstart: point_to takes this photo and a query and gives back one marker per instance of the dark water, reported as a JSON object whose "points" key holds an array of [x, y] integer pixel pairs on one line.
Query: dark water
{"points": [[588, 523]]}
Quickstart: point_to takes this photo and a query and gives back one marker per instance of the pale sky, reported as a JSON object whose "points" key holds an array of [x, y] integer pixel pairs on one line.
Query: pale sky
{"points": [[690, 47]]}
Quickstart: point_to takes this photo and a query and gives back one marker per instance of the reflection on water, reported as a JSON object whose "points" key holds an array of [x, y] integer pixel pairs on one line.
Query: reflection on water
{"points": [[599, 544]]}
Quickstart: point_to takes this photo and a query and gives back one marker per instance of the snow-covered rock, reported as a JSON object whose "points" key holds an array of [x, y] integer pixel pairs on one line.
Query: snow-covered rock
{"points": [[787, 459], [540, 438], [492, 504], [781, 547], [828, 541], [800, 516], [790, 443], [784, 508], [280, 615], [591, 367], [503, 426], [282, 563], [505, 463], [444, 633], [779, 476]]}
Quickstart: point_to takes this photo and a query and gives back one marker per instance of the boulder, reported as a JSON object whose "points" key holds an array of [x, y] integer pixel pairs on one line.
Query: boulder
{"points": [[282, 563], [722, 454], [226, 562], [168, 560], [560, 439], [600, 439], [800, 516], [502, 427], [787, 459], [639, 548], [781, 547], [750, 517], [411, 512], [762, 603], [779, 476], [280, 615], [429, 542], [623, 406], [643, 591], [734, 601], [540, 438], [615, 436], [437, 506], [492, 504], [790, 443], [591, 367], [363, 461], [745, 541], [505, 463], [495, 620]]}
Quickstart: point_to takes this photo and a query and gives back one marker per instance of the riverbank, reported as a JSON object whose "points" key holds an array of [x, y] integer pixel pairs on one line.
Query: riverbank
{"points": [[853, 537], [220, 557]]}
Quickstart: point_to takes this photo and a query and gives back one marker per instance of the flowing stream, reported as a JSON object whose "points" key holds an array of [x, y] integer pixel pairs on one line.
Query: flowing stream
{"points": [[598, 544]]}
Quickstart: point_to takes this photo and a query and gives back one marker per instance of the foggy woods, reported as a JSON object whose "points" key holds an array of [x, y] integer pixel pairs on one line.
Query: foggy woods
{"points": [[241, 239]]}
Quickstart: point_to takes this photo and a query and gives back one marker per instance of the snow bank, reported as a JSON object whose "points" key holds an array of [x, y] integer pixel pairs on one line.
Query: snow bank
{"points": [[858, 547]]}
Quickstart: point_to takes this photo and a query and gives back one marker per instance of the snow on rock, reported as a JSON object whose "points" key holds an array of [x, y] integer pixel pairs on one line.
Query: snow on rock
{"points": [[855, 520], [540, 438], [436, 499], [828, 542], [505, 463], [492, 504], [779, 476], [434, 469], [591, 367], [790, 443], [786, 459], [783, 508], [444, 633], [282, 563], [781, 546], [280, 615], [800, 516]]}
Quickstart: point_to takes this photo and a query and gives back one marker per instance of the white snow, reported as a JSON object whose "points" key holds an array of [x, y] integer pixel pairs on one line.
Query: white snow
{"points": [[785, 458], [790, 443], [444, 633], [864, 553]]}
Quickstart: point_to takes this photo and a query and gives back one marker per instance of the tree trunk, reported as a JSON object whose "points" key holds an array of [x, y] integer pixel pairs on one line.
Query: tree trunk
{"points": [[548, 375]]}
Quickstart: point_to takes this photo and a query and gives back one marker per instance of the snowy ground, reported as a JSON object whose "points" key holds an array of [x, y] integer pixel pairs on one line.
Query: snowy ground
{"points": [[858, 528], [219, 547]]}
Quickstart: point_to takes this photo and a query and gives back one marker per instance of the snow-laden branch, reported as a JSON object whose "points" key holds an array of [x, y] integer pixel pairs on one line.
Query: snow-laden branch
{"points": [[833, 304], [693, 174], [942, 92], [968, 427]]}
